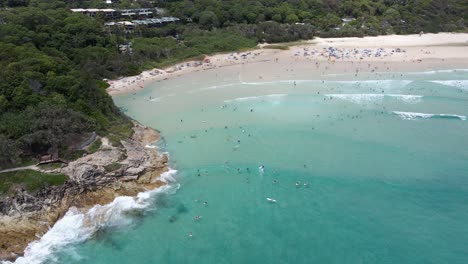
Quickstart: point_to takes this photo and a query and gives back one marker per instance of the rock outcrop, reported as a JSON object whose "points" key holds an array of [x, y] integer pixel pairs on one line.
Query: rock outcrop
{"points": [[97, 178]]}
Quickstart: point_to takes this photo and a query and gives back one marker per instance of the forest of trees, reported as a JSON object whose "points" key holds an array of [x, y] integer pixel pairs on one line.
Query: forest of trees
{"points": [[372, 16], [53, 61]]}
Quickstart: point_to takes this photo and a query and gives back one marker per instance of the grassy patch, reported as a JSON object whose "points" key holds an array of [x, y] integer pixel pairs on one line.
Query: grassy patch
{"points": [[103, 84], [50, 166], [120, 131], [95, 146], [31, 180], [280, 47], [114, 140], [113, 166], [21, 163], [73, 155]]}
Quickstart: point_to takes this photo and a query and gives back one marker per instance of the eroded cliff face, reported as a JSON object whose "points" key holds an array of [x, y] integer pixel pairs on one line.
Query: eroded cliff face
{"points": [[97, 178]]}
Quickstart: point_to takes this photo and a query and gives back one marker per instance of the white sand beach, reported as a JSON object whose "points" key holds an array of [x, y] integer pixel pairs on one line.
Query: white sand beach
{"points": [[320, 58]]}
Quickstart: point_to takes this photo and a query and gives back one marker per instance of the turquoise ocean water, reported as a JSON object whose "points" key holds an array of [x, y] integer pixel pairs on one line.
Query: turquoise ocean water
{"points": [[362, 171]]}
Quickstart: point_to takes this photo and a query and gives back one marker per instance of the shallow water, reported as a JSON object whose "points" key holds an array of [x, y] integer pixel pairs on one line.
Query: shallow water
{"points": [[362, 171]]}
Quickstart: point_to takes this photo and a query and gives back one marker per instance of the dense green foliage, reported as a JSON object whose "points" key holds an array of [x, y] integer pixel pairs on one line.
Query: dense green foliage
{"points": [[161, 51], [53, 61], [30, 180], [372, 16], [50, 64]]}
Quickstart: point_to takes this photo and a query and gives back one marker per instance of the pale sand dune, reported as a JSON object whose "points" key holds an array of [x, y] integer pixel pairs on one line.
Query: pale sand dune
{"points": [[312, 59]]}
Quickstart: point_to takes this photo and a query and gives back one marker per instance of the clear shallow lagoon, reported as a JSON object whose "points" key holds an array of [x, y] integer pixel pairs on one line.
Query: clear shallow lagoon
{"points": [[385, 163]]}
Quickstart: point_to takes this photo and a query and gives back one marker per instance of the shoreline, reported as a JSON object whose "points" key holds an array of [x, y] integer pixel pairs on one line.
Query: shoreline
{"points": [[321, 57], [314, 57], [28, 218]]}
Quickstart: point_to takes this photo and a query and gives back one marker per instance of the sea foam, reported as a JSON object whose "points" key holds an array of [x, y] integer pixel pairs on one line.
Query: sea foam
{"points": [[77, 226], [381, 84], [168, 176], [253, 98], [412, 115], [372, 98], [439, 71], [461, 84], [415, 116]]}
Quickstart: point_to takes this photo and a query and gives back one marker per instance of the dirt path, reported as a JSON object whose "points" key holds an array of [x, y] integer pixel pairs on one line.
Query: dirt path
{"points": [[31, 167]]}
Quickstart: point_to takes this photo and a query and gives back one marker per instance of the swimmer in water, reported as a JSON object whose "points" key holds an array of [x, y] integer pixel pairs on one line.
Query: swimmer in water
{"points": [[298, 184], [190, 234]]}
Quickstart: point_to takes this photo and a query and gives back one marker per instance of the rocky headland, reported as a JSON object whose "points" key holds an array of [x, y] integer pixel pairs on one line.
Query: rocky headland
{"points": [[96, 178]]}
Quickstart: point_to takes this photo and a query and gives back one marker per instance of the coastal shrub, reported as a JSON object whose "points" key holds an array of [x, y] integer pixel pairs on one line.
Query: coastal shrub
{"points": [[103, 84], [95, 146], [113, 166], [280, 47], [207, 42], [273, 32], [120, 131], [70, 155], [50, 166]]}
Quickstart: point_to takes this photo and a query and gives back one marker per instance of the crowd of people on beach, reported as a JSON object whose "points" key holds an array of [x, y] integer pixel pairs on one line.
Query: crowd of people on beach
{"points": [[239, 56], [316, 55], [347, 53]]}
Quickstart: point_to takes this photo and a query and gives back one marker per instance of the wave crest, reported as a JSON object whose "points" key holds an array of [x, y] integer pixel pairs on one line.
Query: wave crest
{"points": [[415, 116], [461, 84], [371, 98], [77, 226], [252, 98]]}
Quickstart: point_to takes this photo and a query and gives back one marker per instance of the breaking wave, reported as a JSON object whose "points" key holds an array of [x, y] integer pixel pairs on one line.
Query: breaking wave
{"points": [[439, 71], [415, 116], [461, 84], [381, 84], [372, 98], [78, 226], [281, 81], [252, 98]]}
